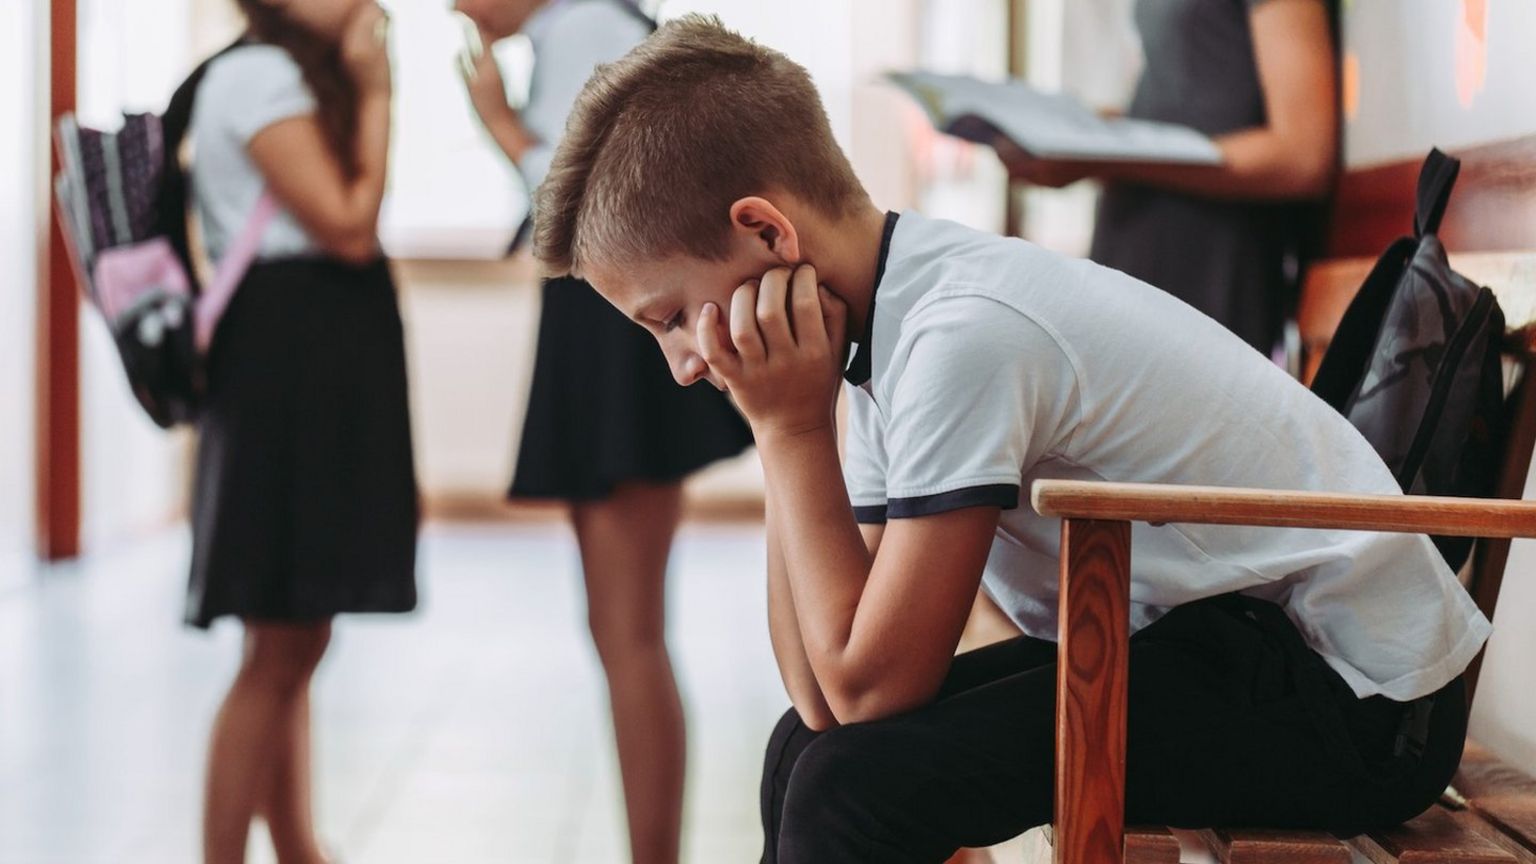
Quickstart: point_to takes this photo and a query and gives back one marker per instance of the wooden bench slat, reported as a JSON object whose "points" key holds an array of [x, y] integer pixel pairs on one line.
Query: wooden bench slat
{"points": [[1275, 846], [1502, 795], [1433, 837], [1474, 822], [1151, 844], [1144, 844]]}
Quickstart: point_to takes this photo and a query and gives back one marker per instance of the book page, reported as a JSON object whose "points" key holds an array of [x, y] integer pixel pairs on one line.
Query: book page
{"points": [[1048, 125]]}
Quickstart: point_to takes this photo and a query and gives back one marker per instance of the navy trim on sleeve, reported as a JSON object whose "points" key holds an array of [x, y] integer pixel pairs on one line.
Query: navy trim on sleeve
{"points": [[872, 515], [1004, 495]]}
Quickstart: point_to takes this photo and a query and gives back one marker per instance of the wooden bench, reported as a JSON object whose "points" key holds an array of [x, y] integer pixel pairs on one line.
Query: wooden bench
{"points": [[1489, 814]]}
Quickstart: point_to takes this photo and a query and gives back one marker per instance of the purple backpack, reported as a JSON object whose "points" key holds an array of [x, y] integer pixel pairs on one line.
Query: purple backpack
{"points": [[122, 201]]}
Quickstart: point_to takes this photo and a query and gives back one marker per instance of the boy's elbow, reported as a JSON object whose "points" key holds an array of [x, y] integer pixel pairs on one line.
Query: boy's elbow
{"points": [[852, 704], [817, 718]]}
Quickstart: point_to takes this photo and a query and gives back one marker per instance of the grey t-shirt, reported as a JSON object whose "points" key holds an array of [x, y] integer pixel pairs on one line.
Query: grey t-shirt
{"points": [[1225, 258]]}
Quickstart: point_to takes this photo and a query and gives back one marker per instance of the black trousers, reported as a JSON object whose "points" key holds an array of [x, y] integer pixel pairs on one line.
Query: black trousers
{"points": [[1232, 721]]}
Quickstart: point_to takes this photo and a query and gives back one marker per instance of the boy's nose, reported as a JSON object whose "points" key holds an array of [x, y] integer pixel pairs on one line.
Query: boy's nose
{"points": [[687, 368]]}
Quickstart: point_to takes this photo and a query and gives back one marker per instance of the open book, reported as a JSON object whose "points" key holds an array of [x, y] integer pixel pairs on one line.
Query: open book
{"points": [[1048, 125]]}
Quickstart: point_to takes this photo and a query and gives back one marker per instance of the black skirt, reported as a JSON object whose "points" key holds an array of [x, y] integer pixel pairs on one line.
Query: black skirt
{"points": [[304, 503], [604, 408]]}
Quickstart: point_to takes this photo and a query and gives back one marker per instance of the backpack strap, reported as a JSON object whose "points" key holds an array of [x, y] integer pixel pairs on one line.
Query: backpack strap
{"points": [[231, 269], [171, 203], [1436, 179]]}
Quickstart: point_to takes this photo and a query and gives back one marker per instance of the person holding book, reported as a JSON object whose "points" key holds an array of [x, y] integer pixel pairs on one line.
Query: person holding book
{"points": [[1277, 676], [1258, 77], [607, 431]]}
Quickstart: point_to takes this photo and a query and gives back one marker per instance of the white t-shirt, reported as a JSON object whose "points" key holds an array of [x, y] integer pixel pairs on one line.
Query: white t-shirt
{"points": [[570, 39], [994, 363], [243, 92]]}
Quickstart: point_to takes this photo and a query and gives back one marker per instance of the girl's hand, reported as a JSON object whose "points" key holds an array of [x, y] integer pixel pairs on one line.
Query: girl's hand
{"points": [[1052, 173], [783, 363], [365, 50], [482, 79]]}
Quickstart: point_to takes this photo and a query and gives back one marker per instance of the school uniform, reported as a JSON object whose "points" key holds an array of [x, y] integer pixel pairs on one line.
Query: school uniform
{"points": [[1278, 676], [603, 408], [304, 499]]}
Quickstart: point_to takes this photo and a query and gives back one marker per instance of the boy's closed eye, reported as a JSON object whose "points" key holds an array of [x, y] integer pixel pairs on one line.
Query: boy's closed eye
{"points": [[673, 322]]}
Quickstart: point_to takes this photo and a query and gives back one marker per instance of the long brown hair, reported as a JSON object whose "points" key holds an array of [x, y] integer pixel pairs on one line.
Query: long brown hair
{"points": [[320, 62]]}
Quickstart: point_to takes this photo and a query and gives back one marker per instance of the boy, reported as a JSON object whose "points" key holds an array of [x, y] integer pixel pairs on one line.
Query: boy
{"points": [[1278, 676]]}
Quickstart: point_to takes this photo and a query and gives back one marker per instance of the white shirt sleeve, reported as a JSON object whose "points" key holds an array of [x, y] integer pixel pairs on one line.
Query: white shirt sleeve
{"points": [[982, 393], [259, 85], [579, 39], [864, 457]]}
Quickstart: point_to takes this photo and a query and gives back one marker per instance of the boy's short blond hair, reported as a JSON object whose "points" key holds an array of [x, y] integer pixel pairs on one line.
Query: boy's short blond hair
{"points": [[661, 142]]}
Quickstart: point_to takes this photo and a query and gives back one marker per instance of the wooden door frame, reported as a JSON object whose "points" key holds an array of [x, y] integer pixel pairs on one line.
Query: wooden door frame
{"points": [[57, 442]]}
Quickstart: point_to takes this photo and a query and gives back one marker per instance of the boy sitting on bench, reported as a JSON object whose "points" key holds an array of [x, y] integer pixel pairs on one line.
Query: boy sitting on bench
{"points": [[1283, 677]]}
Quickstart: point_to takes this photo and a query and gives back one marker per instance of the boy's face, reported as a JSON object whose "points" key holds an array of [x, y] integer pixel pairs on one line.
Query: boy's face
{"points": [[665, 297]]}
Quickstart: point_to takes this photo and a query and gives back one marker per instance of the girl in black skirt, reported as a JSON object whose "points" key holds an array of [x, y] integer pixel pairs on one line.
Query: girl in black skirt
{"points": [[305, 496], [607, 428]]}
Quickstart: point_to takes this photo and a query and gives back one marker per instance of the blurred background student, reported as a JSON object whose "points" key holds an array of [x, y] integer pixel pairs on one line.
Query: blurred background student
{"points": [[305, 496], [1258, 76], [608, 430]]}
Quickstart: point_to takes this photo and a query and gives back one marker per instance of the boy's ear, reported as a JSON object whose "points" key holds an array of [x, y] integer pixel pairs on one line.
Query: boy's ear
{"points": [[759, 222]]}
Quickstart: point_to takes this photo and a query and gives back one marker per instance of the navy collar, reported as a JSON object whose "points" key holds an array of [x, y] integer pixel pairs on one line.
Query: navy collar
{"points": [[859, 368]]}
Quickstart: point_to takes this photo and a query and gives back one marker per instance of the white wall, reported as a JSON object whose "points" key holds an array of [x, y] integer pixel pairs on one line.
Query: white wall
{"points": [[22, 109], [452, 193], [814, 33], [1088, 48], [884, 121], [1431, 73], [131, 56], [1506, 703]]}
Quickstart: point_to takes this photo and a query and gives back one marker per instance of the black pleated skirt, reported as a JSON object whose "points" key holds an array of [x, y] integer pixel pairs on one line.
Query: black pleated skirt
{"points": [[304, 501], [604, 409]]}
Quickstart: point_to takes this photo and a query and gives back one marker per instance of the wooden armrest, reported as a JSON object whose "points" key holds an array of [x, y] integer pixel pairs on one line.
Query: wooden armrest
{"points": [[1215, 505]]}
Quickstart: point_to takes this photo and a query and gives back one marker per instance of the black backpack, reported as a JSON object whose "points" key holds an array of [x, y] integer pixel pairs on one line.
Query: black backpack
{"points": [[122, 199], [1415, 363]]}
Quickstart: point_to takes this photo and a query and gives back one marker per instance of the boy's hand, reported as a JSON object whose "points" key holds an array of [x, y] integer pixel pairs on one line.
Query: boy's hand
{"points": [[782, 366]]}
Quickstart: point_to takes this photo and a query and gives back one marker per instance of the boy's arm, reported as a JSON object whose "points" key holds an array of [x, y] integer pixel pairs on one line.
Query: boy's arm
{"points": [[784, 632], [879, 630]]}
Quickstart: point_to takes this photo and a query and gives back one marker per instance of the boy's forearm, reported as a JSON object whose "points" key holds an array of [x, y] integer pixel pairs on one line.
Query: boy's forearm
{"points": [[784, 631], [826, 562]]}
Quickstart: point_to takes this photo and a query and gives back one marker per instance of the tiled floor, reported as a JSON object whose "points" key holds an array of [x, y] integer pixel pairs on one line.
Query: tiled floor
{"points": [[473, 731]]}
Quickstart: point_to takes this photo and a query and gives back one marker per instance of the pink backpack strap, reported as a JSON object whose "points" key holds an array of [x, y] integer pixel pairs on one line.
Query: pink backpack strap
{"points": [[228, 273]]}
